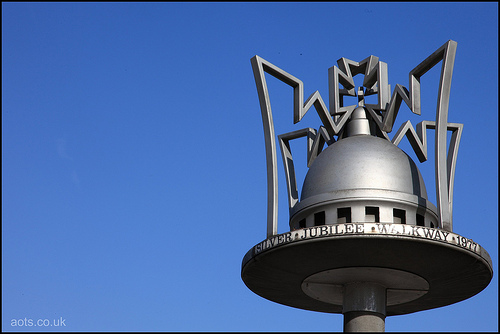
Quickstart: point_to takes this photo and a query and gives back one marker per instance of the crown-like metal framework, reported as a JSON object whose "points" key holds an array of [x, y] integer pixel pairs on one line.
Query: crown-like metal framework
{"points": [[364, 240], [383, 113]]}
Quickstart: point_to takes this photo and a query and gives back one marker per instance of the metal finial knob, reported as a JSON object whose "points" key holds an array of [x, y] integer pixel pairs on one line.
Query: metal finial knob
{"points": [[359, 123]]}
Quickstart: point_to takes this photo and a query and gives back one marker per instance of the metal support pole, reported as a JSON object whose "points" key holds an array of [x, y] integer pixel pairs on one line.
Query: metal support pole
{"points": [[364, 307]]}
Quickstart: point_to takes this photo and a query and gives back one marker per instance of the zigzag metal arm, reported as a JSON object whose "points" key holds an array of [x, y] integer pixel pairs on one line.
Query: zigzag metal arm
{"points": [[315, 142], [400, 94], [286, 153], [260, 66], [445, 168], [418, 141], [446, 53]]}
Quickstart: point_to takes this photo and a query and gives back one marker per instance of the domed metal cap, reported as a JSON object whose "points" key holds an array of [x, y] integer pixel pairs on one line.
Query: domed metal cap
{"points": [[363, 162], [363, 178]]}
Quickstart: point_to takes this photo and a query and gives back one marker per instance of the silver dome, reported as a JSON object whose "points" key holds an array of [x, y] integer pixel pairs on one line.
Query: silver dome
{"points": [[363, 178], [363, 162]]}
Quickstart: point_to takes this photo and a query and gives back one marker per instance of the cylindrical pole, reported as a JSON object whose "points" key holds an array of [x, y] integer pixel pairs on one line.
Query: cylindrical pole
{"points": [[364, 307]]}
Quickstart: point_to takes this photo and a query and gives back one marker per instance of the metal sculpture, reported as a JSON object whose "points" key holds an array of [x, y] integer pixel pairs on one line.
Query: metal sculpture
{"points": [[384, 114], [364, 239]]}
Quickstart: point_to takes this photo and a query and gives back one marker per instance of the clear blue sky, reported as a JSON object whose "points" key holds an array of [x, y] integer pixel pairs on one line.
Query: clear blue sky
{"points": [[133, 159]]}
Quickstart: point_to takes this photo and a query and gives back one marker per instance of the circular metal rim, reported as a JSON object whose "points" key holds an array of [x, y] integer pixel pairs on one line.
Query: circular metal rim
{"points": [[453, 272]]}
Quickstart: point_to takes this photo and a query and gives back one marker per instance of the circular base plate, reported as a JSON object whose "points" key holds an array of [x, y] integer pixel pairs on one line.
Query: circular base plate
{"points": [[444, 267], [402, 286]]}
